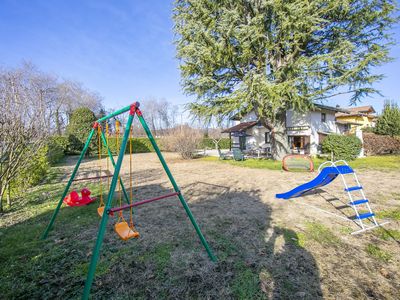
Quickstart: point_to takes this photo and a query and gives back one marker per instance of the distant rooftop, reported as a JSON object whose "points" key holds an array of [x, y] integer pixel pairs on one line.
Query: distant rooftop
{"points": [[366, 110], [240, 127]]}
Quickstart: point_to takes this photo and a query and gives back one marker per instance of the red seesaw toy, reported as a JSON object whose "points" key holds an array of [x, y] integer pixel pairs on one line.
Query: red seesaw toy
{"points": [[73, 198]]}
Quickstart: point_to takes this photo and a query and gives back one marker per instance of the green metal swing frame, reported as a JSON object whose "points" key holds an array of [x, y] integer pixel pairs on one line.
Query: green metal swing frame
{"points": [[133, 110]]}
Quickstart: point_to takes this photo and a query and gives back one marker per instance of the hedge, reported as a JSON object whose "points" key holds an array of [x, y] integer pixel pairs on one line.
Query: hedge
{"points": [[345, 147], [375, 144], [33, 173], [139, 145], [208, 143], [59, 146]]}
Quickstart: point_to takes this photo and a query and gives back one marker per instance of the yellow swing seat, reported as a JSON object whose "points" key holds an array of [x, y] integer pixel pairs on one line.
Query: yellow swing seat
{"points": [[100, 211], [125, 232]]}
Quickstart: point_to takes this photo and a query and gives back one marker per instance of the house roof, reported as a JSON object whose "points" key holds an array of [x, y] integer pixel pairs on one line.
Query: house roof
{"points": [[240, 127], [362, 109], [366, 111]]}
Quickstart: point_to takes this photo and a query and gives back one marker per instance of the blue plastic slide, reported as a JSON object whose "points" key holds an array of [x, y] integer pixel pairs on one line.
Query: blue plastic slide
{"points": [[326, 176]]}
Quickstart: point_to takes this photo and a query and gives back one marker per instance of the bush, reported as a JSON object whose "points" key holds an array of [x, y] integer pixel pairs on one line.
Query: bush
{"points": [[80, 124], [57, 148], [139, 145], [345, 147], [184, 140], [33, 173], [380, 144], [208, 143], [368, 129]]}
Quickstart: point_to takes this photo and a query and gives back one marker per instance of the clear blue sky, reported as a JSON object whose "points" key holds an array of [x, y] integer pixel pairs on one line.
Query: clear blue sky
{"points": [[122, 49]]}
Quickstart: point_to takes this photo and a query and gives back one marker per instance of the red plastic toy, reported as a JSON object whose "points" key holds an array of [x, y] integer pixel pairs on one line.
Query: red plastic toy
{"points": [[73, 198]]}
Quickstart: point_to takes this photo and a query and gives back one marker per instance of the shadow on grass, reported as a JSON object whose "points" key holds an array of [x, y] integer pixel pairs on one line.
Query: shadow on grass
{"points": [[256, 260]]}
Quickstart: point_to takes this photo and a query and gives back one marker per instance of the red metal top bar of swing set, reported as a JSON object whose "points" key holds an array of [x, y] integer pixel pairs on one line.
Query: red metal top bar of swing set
{"points": [[134, 107], [115, 209]]}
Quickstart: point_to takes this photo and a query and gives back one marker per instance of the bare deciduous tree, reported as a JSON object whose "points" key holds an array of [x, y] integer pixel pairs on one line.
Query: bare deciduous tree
{"points": [[33, 105], [184, 140], [160, 115], [72, 95], [23, 121]]}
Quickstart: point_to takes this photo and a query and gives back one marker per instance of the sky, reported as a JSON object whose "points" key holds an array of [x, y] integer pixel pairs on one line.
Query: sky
{"points": [[121, 49]]}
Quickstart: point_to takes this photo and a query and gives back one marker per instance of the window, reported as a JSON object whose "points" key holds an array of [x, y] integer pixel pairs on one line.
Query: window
{"points": [[268, 137], [323, 117]]}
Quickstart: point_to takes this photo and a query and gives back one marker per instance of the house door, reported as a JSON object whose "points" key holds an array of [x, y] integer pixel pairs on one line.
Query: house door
{"points": [[242, 142], [299, 144]]}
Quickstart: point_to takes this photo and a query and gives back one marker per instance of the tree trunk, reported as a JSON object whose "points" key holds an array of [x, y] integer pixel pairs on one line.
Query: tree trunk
{"points": [[1, 198], [216, 144], [279, 140], [58, 123], [8, 196]]}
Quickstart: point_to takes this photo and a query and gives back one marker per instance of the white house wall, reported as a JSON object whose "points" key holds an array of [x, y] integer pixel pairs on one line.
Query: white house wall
{"points": [[257, 138], [295, 119], [317, 126]]}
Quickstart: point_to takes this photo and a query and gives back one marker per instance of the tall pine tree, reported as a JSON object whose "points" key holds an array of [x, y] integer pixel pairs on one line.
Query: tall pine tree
{"points": [[389, 122], [273, 55]]}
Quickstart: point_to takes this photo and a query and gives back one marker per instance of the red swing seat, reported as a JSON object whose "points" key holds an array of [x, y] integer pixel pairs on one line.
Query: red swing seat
{"points": [[73, 198]]}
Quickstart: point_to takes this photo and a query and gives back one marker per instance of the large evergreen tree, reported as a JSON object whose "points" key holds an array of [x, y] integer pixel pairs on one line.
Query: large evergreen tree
{"points": [[80, 123], [272, 55]]}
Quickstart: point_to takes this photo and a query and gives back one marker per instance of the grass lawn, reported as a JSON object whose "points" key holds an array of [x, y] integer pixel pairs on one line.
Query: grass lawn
{"points": [[266, 249], [144, 268], [371, 162]]}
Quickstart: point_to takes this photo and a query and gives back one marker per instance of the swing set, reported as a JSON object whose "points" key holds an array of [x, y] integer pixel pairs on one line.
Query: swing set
{"points": [[124, 229]]}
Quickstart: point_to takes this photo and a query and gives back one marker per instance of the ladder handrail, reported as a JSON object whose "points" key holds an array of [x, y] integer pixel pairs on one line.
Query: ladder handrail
{"points": [[332, 164]]}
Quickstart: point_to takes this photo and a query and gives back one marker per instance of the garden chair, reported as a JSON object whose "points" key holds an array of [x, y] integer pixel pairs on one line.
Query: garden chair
{"points": [[222, 156], [237, 154]]}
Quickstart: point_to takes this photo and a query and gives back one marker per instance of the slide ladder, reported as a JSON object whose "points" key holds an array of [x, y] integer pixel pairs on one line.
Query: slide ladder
{"points": [[359, 204]]}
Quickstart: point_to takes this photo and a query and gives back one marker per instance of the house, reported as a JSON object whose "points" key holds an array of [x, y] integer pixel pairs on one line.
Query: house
{"points": [[357, 118], [305, 131]]}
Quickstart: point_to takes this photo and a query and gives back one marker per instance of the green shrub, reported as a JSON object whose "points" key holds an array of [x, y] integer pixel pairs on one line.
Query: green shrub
{"points": [[75, 145], [345, 147], [61, 141], [208, 143], [80, 124], [139, 145], [32, 173], [57, 148]]}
